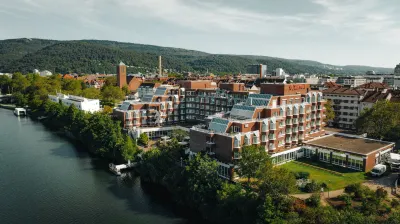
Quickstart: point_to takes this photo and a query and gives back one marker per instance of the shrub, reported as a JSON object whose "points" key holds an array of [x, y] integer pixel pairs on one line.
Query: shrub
{"points": [[314, 200], [381, 193], [346, 199], [395, 203], [359, 191], [302, 175], [312, 187]]}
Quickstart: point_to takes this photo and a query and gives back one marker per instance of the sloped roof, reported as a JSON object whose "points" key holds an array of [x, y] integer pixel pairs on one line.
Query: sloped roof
{"points": [[331, 84], [374, 96], [343, 91], [373, 85]]}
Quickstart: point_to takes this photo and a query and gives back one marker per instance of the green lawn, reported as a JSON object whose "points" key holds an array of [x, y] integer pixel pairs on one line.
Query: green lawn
{"points": [[333, 181]]}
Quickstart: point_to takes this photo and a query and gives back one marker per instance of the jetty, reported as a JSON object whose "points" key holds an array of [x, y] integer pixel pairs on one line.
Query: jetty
{"points": [[117, 169]]}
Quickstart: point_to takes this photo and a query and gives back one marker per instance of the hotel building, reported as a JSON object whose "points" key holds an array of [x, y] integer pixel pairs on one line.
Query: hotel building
{"points": [[280, 118]]}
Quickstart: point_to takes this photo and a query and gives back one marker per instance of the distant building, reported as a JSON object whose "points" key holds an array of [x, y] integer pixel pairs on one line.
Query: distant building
{"points": [[260, 69], [81, 103], [45, 73], [397, 70], [121, 75], [351, 81], [132, 82], [279, 72]]}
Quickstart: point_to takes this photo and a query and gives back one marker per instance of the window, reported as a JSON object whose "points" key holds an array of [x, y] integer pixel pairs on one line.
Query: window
{"points": [[324, 156], [235, 129], [263, 138]]}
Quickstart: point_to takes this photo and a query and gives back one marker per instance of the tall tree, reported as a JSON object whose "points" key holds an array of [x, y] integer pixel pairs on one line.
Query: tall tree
{"points": [[329, 112], [254, 160]]}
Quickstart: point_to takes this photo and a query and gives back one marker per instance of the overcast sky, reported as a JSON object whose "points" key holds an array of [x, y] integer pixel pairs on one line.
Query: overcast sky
{"points": [[342, 32]]}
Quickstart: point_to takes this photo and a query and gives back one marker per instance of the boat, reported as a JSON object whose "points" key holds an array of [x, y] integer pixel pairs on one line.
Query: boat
{"points": [[116, 169], [113, 168], [20, 111]]}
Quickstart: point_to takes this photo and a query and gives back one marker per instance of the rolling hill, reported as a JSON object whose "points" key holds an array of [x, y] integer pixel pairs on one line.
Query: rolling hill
{"points": [[91, 56]]}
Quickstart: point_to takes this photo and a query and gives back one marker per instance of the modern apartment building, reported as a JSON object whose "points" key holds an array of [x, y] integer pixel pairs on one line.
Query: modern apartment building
{"points": [[154, 110], [351, 81], [200, 103], [147, 88], [81, 103], [280, 118], [345, 103]]}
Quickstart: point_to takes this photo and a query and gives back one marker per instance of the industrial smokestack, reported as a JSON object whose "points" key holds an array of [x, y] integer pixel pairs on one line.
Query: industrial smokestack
{"points": [[160, 65], [261, 67]]}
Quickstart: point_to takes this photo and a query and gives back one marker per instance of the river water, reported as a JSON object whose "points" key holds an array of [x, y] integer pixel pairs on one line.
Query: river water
{"points": [[46, 179]]}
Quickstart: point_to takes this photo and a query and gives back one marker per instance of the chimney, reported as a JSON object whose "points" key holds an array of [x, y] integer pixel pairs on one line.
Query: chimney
{"points": [[160, 66], [261, 71]]}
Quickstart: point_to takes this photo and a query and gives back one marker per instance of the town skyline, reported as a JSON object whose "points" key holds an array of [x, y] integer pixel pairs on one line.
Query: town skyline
{"points": [[331, 32]]}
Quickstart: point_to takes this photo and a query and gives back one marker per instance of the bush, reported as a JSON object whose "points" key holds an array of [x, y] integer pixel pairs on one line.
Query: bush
{"points": [[314, 200], [395, 203], [381, 193], [358, 190], [302, 175], [312, 187], [346, 198]]}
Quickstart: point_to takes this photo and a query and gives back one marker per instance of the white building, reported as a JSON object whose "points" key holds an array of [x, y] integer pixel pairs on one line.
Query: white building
{"points": [[81, 103], [351, 81], [279, 72], [45, 73], [345, 103]]}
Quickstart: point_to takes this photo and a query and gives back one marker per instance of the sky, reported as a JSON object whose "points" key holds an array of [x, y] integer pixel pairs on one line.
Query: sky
{"points": [[339, 32]]}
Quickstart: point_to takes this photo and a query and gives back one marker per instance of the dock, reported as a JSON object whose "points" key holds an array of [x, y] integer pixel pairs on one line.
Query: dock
{"points": [[117, 169]]}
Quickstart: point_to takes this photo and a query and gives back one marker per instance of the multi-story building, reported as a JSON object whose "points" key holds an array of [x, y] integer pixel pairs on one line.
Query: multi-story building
{"points": [[345, 103], [81, 103], [153, 110], [279, 72], [397, 70], [147, 88], [351, 81], [281, 117], [200, 103], [261, 70]]}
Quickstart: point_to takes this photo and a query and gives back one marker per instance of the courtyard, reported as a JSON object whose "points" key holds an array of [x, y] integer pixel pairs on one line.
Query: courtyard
{"points": [[335, 177]]}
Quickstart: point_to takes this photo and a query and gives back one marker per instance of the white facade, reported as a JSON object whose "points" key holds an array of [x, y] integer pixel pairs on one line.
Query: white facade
{"points": [[351, 81], [346, 107], [279, 72], [81, 103], [45, 73]]}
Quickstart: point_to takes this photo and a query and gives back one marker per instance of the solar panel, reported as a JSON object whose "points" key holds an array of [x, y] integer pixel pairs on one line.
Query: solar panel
{"points": [[160, 91], [218, 125], [258, 99]]}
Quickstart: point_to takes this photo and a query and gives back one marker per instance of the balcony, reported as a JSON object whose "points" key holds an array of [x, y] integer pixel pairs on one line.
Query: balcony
{"points": [[272, 127], [302, 111], [272, 137]]}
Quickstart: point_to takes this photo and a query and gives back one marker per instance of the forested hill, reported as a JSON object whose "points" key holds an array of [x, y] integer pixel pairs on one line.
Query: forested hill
{"points": [[91, 56]]}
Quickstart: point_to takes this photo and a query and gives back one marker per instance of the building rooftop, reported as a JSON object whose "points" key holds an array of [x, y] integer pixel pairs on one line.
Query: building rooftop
{"points": [[348, 143], [373, 96], [373, 85], [343, 91]]}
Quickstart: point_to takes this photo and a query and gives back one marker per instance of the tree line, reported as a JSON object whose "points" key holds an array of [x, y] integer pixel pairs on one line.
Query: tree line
{"points": [[263, 196], [381, 121], [98, 132]]}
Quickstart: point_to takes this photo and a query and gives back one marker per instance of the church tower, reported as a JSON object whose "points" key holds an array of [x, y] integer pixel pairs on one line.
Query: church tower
{"points": [[121, 75]]}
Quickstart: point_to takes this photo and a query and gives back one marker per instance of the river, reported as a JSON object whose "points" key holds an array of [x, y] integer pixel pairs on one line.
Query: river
{"points": [[46, 179]]}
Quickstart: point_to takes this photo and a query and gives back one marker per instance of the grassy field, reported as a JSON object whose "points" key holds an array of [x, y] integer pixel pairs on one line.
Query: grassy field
{"points": [[333, 181]]}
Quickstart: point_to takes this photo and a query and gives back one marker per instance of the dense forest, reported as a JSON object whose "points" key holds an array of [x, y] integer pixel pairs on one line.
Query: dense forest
{"points": [[92, 56]]}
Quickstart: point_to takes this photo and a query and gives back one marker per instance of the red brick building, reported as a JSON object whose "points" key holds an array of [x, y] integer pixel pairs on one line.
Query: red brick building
{"points": [[281, 117]]}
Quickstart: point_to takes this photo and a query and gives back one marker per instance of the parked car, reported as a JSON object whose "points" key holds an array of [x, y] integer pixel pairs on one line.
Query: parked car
{"points": [[378, 170]]}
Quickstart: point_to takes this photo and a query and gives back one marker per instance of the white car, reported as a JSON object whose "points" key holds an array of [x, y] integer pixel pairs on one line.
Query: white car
{"points": [[378, 170]]}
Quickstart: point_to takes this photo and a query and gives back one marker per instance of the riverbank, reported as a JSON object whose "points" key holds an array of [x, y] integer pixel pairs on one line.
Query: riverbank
{"points": [[8, 106], [46, 179]]}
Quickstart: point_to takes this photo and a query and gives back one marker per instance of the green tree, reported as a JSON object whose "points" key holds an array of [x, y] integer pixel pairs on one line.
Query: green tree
{"points": [[329, 112], [111, 95], [91, 93], [179, 134], [379, 121], [314, 200], [203, 181], [19, 83], [254, 160], [20, 99], [143, 139], [129, 149], [125, 90]]}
